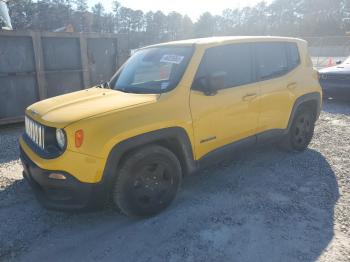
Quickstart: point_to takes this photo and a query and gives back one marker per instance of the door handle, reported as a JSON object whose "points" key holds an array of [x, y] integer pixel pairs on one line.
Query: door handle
{"points": [[292, 85], [249, 97]]}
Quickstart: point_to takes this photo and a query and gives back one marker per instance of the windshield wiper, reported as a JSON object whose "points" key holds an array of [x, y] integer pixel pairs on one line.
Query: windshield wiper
{"points": [[104, 85]]}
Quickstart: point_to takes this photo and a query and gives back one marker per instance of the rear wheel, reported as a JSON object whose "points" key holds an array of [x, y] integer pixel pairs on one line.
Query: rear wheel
{"points": [[301, 131], [147, 182]]}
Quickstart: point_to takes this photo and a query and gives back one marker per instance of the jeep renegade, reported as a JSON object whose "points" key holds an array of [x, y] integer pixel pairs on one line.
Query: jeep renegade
{"points": [[170, 109]]}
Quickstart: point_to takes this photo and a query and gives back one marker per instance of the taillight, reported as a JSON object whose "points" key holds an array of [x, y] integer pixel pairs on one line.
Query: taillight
{"points": [[79, 138]]}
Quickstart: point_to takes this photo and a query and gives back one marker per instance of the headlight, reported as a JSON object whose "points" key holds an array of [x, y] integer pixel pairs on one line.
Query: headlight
{"points": [[60, 138]]}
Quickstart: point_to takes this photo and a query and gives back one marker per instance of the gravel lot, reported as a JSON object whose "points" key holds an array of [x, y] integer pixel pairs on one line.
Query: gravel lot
{"points": [[262, 205]]}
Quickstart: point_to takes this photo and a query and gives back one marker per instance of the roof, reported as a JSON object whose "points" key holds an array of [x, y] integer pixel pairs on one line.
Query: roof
{"points": [[226, 39]]}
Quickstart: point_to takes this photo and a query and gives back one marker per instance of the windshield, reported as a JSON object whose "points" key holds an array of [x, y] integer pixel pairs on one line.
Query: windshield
{"points": [[153, 70], [347, 61]]}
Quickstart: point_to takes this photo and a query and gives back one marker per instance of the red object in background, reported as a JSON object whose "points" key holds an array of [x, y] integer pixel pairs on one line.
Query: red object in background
{"points": [[330, 62]]}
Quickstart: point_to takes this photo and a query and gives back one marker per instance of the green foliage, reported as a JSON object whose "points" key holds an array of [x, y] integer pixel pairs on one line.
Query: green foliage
{"points": [[81, 5], [98, 12], [281, 17]]}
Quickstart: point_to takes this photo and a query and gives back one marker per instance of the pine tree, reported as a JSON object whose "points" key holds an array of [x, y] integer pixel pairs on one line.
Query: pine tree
{"points": [[116, 11], [81, 14], [81, 5], [98, 12]]}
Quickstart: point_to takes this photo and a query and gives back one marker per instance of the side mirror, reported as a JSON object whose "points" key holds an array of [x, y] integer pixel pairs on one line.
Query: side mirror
{"points": [[338, 62], [211, 83], [216, 81]]}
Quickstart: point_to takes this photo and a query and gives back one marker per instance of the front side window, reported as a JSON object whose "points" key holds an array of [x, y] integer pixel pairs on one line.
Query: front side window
{"points": [[232, 64], [153, 70]]}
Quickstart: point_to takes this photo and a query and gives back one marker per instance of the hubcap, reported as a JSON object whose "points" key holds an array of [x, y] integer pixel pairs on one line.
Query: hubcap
{"points": [[302, 129], [153, 185]]}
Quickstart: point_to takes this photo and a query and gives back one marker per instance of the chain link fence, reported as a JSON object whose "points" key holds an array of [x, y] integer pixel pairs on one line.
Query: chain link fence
{"points": [[327, 51]]}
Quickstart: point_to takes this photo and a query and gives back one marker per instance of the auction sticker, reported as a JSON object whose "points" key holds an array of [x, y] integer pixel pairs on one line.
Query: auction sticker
{"points": [[173, 59]]}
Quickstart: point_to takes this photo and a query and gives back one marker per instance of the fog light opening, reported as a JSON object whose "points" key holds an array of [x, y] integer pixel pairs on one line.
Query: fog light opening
{"points": [[57, 176]]}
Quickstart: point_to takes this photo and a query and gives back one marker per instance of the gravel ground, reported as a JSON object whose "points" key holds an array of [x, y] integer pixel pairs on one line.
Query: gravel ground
{"points": [[262, 205]]}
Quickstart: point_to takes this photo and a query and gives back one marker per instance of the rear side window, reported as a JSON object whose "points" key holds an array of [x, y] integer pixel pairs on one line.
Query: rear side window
{"points": [[233, 61], [271, 60], [275, 59]]}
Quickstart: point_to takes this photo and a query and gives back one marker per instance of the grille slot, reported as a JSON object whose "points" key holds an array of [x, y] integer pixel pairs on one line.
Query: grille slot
{"points": [[36, 132]]}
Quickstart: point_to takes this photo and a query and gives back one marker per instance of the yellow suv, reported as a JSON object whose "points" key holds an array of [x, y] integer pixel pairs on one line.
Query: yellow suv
{"points": [[169, 110]]}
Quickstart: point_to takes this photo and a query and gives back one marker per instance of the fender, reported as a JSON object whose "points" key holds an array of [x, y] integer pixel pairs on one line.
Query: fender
{"points": [[184, 150], [302, 99]]}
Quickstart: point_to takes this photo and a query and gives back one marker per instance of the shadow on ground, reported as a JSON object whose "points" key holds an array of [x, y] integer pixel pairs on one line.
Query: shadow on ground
{"points": [[263, 205]]}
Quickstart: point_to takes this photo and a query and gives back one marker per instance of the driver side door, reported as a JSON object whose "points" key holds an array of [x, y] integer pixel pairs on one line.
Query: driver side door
{"points": [[230, 113]]}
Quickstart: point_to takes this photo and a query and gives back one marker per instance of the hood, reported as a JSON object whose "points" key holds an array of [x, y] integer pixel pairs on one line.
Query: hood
{"points": [[339, 69], [62, 110]]}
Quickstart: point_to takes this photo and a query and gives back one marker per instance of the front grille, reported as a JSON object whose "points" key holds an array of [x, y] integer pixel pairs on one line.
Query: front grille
{"points": [[36, 132]]}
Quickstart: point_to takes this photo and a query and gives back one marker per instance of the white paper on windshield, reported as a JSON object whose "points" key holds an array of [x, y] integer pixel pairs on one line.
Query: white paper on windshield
{"points": [[173, 59]]}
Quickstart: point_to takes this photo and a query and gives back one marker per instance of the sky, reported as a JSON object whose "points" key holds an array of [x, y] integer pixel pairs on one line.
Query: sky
{"points": [[193, 8]]}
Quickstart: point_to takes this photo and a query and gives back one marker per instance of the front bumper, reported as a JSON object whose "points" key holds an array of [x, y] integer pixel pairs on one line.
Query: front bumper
{"points": [[336, 89], [68, 194]]}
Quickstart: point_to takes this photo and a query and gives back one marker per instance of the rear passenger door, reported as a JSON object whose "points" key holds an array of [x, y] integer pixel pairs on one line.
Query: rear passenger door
{"points": [[232, 113], [276, 64]]}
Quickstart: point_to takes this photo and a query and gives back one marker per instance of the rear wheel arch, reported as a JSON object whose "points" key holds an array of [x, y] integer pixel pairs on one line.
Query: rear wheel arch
{"points": [[312, 101]]}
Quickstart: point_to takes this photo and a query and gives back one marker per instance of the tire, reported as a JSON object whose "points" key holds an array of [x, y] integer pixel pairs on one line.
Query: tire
{"points": [[147, 182], [301, 131]]}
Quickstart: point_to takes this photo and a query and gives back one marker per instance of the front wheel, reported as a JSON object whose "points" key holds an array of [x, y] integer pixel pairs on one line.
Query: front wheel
{"points": [[147, 181], [301, 131]]}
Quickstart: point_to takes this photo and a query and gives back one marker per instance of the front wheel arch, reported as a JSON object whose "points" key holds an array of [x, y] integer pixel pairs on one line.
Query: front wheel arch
{"points": [[175, 139]]}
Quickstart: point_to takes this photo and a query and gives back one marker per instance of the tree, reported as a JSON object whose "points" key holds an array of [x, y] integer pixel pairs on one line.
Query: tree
{"points": [[81, 5], [174, 24], [22, 13], [81, 23], [280, 17], [125, 14], [155, 26], [98, 12], [116, 9], [187, 28], [137, 21], [206, 25]]}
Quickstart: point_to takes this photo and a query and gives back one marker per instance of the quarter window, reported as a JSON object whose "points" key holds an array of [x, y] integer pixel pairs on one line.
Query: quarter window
{"points": [[294, 57]]}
